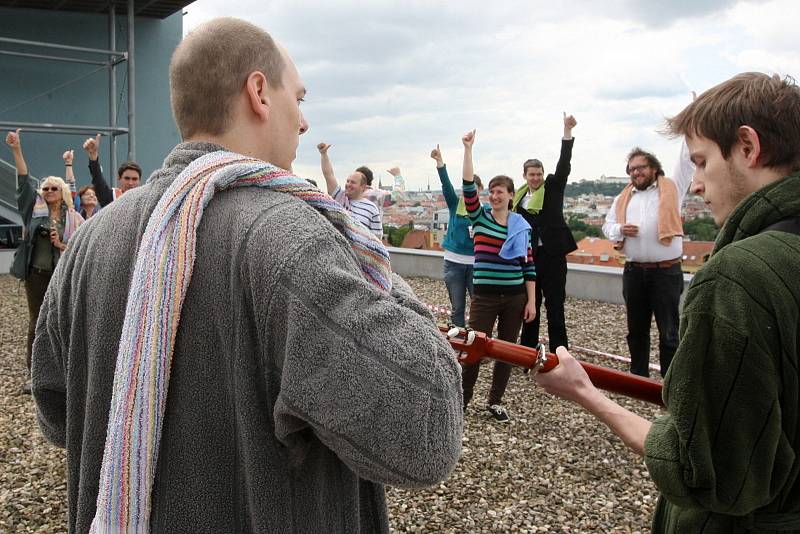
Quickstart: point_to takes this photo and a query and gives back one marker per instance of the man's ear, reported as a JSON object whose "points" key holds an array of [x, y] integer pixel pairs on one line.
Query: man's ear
{"points": [[257, 96], [748, 145]]}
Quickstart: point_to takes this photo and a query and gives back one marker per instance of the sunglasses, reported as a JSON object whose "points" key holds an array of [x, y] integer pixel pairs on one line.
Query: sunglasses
{"points": [[46, 189]]}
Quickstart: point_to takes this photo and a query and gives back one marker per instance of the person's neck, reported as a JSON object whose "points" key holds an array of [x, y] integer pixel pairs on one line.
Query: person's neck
{"points": [[501, 215], [240, 141], [89, 210], [532, 190], [767, 175], [55, 210]]}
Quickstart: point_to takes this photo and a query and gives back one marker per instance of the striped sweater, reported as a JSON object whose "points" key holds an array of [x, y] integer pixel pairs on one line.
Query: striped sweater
{"points": [[492, 274]]}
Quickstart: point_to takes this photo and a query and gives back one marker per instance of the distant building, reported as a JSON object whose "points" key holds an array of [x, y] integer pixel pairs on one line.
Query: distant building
{"points": [[419, 239], [441, 219], [614, 179], [597, 251], [695, 254]]}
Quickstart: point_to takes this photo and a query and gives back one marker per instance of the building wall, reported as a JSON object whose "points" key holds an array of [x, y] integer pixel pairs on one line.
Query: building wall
{"points": [[86, 101]]}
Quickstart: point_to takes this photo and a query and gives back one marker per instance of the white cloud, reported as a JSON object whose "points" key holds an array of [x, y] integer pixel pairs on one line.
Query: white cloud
{"points": [[388, 81]]}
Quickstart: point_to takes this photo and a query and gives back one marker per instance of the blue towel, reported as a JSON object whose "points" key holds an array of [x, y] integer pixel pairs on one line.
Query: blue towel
{"points": [[519, 237]]}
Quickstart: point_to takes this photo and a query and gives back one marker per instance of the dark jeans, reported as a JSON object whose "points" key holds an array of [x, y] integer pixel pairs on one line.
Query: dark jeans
{"points": [[551, 281], [648, 292], [507, 310], [458, 280], [35, 287]]}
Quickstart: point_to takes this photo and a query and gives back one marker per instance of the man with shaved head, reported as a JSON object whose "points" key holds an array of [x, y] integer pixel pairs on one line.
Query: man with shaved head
{"points": [[225, 349]]}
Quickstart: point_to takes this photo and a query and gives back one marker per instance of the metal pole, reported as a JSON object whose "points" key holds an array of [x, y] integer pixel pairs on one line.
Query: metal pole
{"points": [[54, 58], [112, 88], [131, 85], [60, 47], [63, 128]]}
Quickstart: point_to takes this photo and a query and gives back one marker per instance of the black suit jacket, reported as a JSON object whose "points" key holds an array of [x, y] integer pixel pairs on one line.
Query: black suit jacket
{"points": [[549, 223]]}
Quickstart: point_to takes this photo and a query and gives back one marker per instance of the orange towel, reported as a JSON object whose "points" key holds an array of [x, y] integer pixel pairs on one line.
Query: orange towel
{"points": [[669, 212]]}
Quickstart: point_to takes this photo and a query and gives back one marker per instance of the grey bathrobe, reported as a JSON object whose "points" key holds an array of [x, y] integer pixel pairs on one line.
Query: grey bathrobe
{"points": [[297, 390]]}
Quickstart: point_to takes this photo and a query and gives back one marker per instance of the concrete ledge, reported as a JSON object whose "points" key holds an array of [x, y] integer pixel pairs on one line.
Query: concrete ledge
{"points": [[591, 282], [583, 281], [6, 257]]}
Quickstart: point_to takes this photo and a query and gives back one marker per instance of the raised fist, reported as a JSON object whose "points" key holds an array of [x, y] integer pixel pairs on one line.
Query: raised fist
{"points": [[436, 153], [569, 121], [468, 138], [68, 156], [92, 147], [323, 148], [12, 139]]}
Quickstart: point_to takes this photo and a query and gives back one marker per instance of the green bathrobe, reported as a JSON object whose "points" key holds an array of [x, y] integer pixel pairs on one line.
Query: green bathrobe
{"points": [[724, 457]]}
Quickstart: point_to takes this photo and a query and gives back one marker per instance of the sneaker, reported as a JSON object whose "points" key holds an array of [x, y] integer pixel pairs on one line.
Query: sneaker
{"points": [[499, 413]]}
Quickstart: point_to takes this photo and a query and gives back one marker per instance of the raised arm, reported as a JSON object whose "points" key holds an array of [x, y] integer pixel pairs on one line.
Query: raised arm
{"points": [[448, 190], [564, 165], [69, 175], [104, 193], [468, 188], [13, 141], [26, 185], [467, 171], [327, 168]]}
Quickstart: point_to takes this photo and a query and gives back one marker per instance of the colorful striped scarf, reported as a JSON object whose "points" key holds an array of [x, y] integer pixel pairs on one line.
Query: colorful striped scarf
{"points": [[158, 287]]}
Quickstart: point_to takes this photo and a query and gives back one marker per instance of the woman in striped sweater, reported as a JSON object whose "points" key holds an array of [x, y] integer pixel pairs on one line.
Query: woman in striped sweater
{"points": [[504, 275]]}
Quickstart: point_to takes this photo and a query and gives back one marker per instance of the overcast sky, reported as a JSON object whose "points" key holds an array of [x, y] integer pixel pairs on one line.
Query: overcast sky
{"points": [[388, 80]]}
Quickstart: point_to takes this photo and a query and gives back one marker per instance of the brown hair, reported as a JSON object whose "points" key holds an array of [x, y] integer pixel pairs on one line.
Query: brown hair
{"points": [[768, 104], [368, 177], [503, 180], [651, 158], [210, 67], [132, 165], [531, 163], [478, 181], [84, 189]]}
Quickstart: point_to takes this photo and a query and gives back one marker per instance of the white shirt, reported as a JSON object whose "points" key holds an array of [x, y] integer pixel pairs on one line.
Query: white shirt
{"points": [[462, 259], [528, 199], [643, 211], [362, 210]]}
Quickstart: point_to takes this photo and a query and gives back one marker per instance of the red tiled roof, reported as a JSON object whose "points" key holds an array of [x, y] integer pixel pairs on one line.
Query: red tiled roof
{"points": [[596, 251], [695, 252]]}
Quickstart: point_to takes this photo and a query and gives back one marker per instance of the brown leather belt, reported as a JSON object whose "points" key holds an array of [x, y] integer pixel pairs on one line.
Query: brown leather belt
{"points": [[654, 264]]}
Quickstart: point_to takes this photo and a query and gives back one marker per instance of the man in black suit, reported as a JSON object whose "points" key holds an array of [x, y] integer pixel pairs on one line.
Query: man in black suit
{"points": [[542, 205]]}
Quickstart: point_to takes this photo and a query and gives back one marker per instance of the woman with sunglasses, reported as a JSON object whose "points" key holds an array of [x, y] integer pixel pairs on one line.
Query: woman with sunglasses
{"points": [[49, 220]]}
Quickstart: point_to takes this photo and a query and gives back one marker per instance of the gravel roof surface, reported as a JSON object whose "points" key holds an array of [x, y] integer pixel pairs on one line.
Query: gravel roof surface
{"points": [[553, 468]]}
